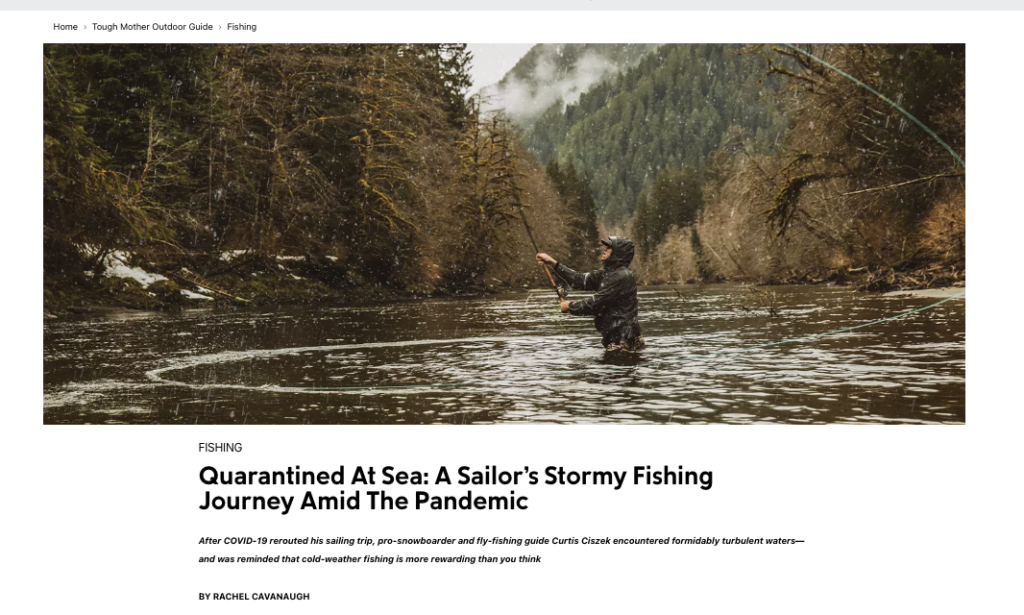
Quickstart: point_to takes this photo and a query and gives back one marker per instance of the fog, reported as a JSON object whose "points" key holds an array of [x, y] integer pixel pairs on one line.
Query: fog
{"points": [[525, 99]]}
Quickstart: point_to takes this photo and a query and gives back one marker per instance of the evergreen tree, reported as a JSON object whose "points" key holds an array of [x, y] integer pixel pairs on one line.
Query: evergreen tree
{"points": [[489, 197], [675, 199], [574, 190], [702, 262]]}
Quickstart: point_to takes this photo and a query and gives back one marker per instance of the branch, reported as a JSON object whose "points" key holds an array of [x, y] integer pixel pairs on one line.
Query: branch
{"points": [[906, 183]]}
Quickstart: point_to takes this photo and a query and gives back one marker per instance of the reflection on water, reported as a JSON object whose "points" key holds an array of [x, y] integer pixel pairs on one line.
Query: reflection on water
{"points": [[511, 358]]}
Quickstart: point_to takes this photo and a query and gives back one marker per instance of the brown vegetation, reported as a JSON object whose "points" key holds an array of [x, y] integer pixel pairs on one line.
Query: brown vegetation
{"points": [[858, 194], [364, 167]]}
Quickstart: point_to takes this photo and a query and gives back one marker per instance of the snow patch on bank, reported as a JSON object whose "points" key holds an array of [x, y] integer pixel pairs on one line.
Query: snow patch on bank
{"points": [[116, 266], [231, 255], [191, 295]]}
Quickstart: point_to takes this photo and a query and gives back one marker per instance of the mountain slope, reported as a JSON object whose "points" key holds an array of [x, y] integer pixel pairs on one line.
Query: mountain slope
{"points": [[670, 110], [556, 74]]}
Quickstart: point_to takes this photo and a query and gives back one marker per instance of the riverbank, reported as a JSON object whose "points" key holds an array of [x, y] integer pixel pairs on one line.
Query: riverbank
{"points": [[238, 278]]}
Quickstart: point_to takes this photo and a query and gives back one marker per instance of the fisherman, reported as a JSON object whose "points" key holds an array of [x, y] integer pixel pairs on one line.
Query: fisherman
{"points": [[614, 304]]}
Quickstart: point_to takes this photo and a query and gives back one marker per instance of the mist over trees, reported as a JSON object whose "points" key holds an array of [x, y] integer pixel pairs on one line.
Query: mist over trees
{"points": [[558, 74]]}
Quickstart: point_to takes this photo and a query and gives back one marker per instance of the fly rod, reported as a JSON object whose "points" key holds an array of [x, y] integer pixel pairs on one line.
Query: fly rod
{"points": [[536, 250]]}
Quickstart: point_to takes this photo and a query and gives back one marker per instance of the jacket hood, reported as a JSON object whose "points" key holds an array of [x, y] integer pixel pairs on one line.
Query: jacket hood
{"points": [[622, 252]]}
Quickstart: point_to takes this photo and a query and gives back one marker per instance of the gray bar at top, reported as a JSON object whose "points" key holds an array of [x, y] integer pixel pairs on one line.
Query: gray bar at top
{"points": [[514, 5]]}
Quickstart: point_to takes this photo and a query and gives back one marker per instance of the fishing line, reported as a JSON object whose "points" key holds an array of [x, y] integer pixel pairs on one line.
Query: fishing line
{"points": [[883, 97]]}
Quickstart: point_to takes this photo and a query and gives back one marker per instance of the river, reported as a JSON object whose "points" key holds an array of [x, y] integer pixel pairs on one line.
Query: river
{"points": [[511, 357]]}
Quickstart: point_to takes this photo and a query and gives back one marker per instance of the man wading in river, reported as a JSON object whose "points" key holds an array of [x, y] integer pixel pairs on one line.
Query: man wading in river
{"points": [[614, 304]]}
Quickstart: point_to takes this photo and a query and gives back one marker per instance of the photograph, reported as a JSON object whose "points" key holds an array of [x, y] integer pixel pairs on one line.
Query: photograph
{"points": [[470, 234]]}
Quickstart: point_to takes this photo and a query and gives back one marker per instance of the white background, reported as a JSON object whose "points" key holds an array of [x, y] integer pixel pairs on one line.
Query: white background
{"points": [[896, 519]]}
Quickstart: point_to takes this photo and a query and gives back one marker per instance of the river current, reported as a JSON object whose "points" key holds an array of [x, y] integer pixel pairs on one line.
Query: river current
{"points": [[513, 358]]}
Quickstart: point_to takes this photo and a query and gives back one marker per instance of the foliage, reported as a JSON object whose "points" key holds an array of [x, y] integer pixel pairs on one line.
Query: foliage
{"points": [[491, 194], [944, 232], [89, 206], [360, 154], [856, 177]]}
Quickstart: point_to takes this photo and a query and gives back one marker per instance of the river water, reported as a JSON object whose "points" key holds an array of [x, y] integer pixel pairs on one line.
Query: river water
{"points": [[513, 358]]}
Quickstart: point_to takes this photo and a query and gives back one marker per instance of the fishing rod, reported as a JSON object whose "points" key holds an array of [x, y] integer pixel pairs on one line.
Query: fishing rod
{"points": [[536, 250]]}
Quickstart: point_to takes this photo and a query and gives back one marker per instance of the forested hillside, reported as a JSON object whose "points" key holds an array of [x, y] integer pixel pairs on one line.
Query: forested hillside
{"points": [[670, 111], [267, 172]]}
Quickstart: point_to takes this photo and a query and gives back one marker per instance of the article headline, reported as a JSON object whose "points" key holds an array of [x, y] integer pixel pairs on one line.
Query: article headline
{"points": [[378, 499]]}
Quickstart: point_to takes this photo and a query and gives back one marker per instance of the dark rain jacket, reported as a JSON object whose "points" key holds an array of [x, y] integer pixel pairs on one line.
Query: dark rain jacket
{"points": [[614, 304]]}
